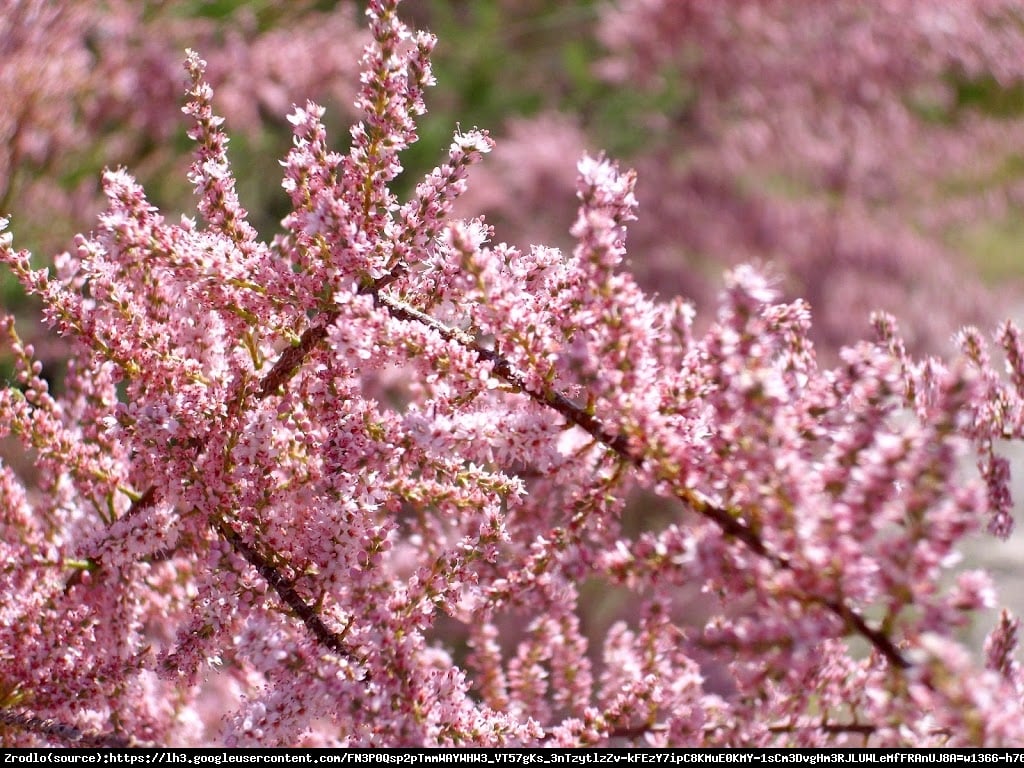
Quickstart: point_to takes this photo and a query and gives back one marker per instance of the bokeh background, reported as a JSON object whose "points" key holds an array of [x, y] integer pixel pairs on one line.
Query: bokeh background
{"points": [[866, 155]]}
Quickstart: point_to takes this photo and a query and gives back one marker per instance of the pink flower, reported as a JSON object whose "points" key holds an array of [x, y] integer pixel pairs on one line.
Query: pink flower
{"points": [[300, 477]]}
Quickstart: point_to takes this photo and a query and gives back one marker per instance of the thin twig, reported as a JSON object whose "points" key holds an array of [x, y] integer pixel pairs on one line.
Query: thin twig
{"points": [[67, 734], [730, 523], [292, 357], [285, 589]]}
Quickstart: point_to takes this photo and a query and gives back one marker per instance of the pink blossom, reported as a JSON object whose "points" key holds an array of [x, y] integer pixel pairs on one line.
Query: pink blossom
{"points": [[291, 477]]}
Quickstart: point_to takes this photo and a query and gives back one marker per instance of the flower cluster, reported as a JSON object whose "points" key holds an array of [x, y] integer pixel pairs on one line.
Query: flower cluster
{"points": [[364, 484]]}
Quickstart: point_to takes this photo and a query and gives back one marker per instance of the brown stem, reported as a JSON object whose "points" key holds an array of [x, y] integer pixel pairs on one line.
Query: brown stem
{"points": [[67, 734], [292, 357], [286, 591], [284, 588], [729, 523]]}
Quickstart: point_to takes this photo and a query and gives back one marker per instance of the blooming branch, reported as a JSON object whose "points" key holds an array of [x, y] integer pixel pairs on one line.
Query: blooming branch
{"points": [[358, 484]]}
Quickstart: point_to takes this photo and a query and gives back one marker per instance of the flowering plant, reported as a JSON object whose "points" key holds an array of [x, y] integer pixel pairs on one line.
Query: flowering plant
{"points": [[354, 486]]}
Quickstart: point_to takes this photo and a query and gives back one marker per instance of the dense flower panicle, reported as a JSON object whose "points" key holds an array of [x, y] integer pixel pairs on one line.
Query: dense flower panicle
{"points": [[1000, 646], [211, 173], [359, 485]]}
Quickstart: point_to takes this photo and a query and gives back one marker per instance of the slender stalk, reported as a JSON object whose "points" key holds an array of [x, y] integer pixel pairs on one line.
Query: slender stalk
{"points": [[730, 524], [64, 733]]}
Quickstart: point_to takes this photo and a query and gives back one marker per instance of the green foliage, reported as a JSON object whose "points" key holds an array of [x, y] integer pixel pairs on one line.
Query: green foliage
{"points": [[988, 96]]}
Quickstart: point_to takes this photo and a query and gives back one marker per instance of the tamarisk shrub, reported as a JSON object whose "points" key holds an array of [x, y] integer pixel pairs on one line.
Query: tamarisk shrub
{"points": [[285, 475]]}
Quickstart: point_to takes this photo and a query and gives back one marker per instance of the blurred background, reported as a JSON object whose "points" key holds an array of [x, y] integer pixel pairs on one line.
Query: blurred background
{"points": [[866, 155]]}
